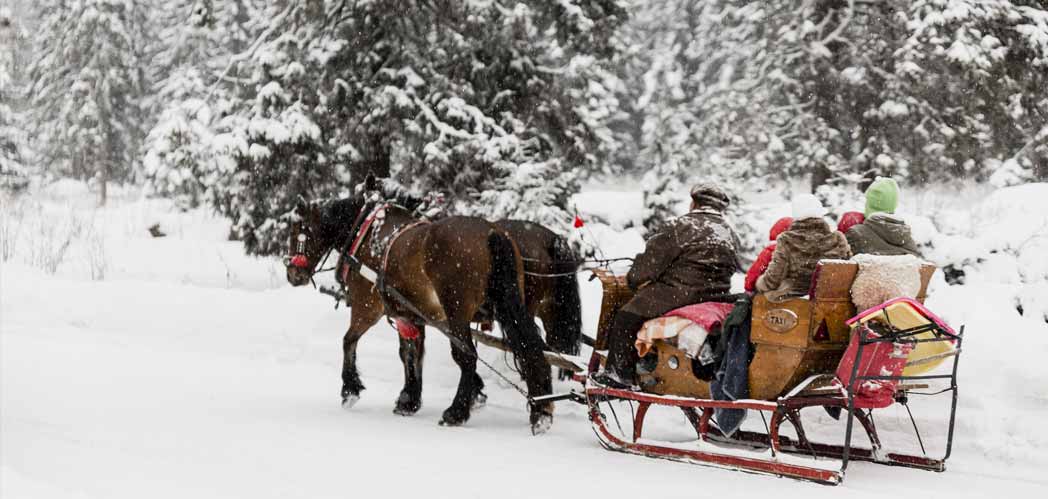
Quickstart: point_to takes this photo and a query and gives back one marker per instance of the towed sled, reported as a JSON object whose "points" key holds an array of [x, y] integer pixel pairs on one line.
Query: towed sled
{"points": [[809, 352]]}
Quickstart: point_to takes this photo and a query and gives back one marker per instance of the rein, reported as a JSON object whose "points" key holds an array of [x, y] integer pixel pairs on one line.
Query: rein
{"points": [[600, 263]]}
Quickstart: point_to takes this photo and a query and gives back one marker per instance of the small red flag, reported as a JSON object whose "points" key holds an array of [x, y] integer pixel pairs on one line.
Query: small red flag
{"points": [[578, 222]]}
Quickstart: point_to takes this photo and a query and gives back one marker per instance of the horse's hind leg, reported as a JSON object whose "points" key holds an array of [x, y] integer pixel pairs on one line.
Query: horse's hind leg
{"points": [[412, 352], [465, 355], [520, 329]]}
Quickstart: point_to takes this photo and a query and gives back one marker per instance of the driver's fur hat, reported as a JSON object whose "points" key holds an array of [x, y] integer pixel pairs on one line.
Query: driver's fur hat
{"points": [[707, 195]]}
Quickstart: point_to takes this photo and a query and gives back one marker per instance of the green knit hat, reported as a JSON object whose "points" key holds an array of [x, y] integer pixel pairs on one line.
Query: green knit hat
{"points": [[882, 196]]}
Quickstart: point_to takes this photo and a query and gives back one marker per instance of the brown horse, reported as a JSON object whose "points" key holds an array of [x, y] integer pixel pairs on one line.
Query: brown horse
{"points": [[446, 269], [551, 286]]}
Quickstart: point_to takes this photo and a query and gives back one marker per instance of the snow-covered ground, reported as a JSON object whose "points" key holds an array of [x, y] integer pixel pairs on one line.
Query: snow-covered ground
{"points": [[133, 366]]}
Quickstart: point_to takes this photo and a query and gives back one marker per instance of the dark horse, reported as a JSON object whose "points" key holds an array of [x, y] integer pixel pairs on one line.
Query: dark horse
{"points": [[447, 269], [551, 286]]}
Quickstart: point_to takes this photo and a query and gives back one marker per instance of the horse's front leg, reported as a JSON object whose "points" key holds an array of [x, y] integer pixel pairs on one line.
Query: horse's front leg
{"points": [[363, 316], [412, 351]]}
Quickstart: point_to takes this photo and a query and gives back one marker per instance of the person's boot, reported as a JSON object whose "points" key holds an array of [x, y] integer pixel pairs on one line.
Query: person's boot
{"points": [[611, 379], [620, 369]]}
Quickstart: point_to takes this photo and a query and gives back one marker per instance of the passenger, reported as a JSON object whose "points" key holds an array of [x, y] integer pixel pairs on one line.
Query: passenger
{"points": [[848, 220], [799, 249], [764, 258], [882, 233], [690, 261]]}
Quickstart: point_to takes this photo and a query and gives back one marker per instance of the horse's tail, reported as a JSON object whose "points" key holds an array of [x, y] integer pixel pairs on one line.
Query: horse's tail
{"points": [[504, 291], [565, 332], [507, 299]]}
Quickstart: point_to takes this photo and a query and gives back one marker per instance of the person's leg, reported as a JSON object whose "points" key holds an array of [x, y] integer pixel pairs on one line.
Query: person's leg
{"points": [[622, 356]]}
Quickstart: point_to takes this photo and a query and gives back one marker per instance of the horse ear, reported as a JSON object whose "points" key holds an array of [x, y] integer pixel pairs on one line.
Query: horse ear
{"points": [[301, 206]]}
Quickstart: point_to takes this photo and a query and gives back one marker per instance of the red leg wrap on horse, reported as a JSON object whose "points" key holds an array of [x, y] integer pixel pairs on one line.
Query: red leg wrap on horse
{"points": [[407, 330]]}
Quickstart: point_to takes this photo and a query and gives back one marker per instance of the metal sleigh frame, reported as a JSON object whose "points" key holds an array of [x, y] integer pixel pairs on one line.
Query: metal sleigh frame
{"points": [[772, 453]]}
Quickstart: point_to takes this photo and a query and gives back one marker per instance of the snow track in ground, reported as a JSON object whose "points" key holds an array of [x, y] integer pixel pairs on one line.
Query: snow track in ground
{"points": [[163, 384]]}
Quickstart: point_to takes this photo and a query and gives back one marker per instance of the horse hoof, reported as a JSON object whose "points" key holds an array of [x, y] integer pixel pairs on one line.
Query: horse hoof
{"points": [[480, 400], [348, 401], [405, 411], [406, 406], [541, 424], [453, 418]]}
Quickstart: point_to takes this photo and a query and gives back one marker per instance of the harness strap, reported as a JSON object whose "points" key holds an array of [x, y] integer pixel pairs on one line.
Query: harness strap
{"points": [[402, 231], [365, 226]]}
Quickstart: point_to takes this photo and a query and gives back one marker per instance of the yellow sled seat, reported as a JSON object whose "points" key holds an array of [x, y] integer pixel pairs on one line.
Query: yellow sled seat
{"points": [[903, 315]]}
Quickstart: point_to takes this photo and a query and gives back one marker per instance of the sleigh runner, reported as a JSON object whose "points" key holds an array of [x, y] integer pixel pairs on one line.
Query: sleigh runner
{"points": [[812, 352]]}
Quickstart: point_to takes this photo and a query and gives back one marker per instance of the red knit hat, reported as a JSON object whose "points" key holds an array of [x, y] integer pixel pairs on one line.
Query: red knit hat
{"points": [[780, 226], [849, 220]]}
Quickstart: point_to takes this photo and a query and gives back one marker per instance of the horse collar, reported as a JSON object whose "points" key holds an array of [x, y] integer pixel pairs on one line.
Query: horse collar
{"points": [[378, 213]]}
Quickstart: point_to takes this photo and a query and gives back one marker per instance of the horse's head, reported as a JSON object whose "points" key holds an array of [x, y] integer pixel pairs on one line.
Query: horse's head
{"points": [[316, 230]]}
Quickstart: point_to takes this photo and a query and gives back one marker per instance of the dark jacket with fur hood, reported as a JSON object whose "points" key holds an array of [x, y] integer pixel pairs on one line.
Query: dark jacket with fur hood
{"points": [[797, 252]]}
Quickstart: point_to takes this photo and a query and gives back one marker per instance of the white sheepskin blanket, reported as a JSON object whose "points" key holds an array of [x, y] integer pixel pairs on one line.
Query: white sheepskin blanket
{"points": [[882, 278]]}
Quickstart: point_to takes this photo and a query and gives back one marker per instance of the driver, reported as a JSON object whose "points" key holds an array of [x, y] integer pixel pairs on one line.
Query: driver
{"points": [[690, 261]]}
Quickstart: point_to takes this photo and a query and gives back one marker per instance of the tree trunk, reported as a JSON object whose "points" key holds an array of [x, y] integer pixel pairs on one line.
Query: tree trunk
{"points": [[375, 160], [820, 176], [103, 185]]}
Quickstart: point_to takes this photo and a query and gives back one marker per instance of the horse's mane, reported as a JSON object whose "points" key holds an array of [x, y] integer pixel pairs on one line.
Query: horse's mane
{"points": [[400, 196], [338, 216]]}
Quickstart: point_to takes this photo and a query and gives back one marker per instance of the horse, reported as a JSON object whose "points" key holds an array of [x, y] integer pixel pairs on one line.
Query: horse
{"points": [[446, 269], [551, 286]]}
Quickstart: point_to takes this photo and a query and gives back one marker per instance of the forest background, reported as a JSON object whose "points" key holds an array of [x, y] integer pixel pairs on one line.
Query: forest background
{"points": [[505, 108]]}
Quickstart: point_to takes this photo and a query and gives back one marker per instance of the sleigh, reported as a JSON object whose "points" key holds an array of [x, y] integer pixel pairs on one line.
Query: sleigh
{"points": [[809, 352]]}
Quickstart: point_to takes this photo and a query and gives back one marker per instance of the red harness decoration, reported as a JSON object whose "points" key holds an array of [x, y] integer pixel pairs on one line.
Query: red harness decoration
{"points": [[359, 238], [299, 261], [406, 330], [365, 227]]}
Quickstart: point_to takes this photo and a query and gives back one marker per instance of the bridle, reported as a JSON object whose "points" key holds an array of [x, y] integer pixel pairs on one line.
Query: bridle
{"points": [[298, 258]]}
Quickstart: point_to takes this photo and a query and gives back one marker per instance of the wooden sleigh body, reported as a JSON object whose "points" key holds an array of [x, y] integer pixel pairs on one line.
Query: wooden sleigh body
{"points": [[808, 353]]}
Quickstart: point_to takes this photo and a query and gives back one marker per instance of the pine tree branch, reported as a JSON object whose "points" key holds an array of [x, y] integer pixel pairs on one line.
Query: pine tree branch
{"points": [[277, 22]]}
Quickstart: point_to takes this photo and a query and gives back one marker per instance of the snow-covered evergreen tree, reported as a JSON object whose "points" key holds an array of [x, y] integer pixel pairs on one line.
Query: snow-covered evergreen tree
{"points": [[698, 81], [87, 84], [924, 90], [195, 85], [12, 171], [498, 108]]}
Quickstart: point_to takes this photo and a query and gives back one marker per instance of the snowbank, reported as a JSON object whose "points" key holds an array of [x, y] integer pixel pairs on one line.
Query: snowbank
{"points": [[178, 375], [61, 230]]}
